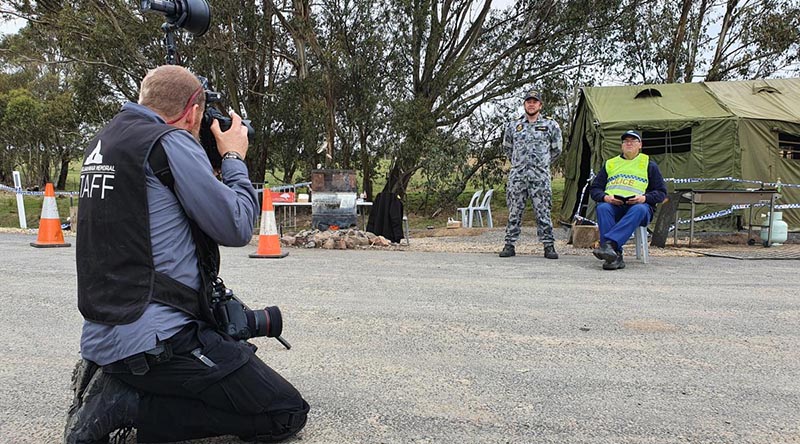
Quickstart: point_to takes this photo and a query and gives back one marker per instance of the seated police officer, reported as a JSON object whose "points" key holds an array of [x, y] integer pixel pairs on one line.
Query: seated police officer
{"points": [[146, 255], [627, 190]]}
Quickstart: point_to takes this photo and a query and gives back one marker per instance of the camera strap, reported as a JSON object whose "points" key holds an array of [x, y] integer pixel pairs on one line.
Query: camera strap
{"points": [[207, 250], [160, 165]]}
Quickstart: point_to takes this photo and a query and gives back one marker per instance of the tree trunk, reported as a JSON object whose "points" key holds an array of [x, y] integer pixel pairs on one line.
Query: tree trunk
{"points": [[257, 164], [688, 72], [330, 101], [62, 173], [366, 166], [680, 32], [288, 175], [44, 168], [716, 64], [400, 176]]}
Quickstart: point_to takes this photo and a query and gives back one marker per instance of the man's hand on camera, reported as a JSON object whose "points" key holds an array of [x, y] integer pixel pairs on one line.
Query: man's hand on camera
{"points": [[235, 139]]}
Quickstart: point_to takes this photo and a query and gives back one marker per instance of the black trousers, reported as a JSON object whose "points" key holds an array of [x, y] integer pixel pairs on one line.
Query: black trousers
{"points": [[212, 385]]}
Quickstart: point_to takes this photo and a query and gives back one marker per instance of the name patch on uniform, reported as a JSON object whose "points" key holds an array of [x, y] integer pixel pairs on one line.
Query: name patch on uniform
{"points": [[541, 128]]}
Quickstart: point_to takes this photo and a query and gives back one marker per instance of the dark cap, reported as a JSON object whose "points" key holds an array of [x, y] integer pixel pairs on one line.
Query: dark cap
{"points": [[532, 94], [632, 133]]}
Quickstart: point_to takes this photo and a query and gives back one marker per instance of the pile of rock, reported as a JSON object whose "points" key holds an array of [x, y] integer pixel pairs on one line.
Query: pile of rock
{"points": [[335, 239]]}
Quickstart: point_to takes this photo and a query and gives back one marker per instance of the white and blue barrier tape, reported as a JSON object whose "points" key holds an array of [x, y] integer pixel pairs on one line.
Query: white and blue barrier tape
{"points": [[714, 215], [733, 208], [34, 193], [729, 179]]}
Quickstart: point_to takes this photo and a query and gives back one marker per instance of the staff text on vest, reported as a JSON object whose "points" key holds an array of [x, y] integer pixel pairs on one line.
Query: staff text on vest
{"points": [[96, 181]]}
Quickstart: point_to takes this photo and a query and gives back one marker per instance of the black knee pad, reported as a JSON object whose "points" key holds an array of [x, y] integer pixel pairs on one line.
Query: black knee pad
{"points": [[283, 425]]}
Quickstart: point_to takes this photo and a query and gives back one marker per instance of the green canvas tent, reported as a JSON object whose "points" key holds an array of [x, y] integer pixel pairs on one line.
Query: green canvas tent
{"points": [[748, 131]]}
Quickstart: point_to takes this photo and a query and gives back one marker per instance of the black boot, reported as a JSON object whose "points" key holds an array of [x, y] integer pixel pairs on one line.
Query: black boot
{"points": [[606, 252], [550, 252], [508, 251], [616, 264], [106, 405]]}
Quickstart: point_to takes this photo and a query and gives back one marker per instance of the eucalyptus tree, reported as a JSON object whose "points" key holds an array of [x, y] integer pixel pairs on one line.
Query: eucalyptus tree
{"points": [[453, 57], [667, 41], [357, 40], [41, 117]]}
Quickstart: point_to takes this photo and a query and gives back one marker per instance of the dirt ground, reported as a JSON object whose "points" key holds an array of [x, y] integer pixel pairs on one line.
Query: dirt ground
{"points": [[491, 240]]}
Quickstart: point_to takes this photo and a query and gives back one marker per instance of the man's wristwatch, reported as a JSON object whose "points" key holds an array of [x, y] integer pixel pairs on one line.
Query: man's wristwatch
{"points": [[232, 155]]}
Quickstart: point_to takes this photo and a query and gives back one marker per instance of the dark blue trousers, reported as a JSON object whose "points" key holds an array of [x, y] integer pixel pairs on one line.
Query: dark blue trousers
{"points": [[618, 222]]}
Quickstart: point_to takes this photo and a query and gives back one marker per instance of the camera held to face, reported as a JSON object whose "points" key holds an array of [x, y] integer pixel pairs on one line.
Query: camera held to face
{"points": [[195, 17], [233, 317], [207, 139]]}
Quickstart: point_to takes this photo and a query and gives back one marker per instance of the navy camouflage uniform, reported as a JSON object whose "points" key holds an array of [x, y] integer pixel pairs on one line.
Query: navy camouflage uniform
{"points": [[532, 148]]}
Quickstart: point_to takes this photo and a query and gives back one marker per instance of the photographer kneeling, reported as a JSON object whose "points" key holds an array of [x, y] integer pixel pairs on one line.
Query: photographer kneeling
{"points": [[147, 257]]}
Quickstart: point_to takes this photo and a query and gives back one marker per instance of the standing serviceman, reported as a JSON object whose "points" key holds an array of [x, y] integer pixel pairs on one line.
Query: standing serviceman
{"points": [[627, 190], [147, 253], [532, 143]]}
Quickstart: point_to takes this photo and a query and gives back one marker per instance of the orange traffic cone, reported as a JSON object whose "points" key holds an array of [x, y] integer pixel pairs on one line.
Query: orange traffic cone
{"points": [[269, 244], [50, 234]]}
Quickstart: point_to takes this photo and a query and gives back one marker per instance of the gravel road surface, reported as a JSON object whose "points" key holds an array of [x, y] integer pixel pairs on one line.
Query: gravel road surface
{"points": [[422, 347]]}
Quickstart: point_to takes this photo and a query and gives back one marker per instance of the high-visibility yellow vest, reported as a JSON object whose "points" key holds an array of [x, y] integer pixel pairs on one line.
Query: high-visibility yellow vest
{"points": [[627, 177]]}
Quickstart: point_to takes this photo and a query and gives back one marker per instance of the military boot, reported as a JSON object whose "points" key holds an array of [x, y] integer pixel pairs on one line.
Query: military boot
{"points": [[508, 251], [105, 405], [616, 264], [81, 375], [606, 252], [550, 252]]}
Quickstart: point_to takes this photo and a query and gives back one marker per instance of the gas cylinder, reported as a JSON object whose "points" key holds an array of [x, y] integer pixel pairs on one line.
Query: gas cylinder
{"points": [[779, 231]]}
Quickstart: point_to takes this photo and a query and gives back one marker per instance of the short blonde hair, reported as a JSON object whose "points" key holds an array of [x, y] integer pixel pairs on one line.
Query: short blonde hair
{"points": [[167, 89]]}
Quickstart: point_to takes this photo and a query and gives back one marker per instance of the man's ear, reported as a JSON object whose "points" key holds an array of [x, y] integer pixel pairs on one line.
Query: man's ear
{"points": [[193, 117]]}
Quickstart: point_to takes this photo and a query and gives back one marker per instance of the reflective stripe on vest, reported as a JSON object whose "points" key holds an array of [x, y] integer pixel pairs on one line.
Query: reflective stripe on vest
{"points": [[627, 177]]}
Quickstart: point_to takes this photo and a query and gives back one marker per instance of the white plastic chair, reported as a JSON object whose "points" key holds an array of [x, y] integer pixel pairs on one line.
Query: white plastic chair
{"points": [[640, 237], [485, 206], [466, 212]]}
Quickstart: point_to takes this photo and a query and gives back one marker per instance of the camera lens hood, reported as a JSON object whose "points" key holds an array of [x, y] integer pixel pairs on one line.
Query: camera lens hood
{"points": [[194, 16]]}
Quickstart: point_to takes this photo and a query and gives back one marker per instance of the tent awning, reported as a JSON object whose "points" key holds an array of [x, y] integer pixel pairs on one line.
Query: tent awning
{"points": [[642, 103]]}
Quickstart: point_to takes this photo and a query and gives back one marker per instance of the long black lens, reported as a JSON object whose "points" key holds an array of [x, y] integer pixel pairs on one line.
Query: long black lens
{"points": [[165, 7], [276, 321], [191, 15], [267, 322]]}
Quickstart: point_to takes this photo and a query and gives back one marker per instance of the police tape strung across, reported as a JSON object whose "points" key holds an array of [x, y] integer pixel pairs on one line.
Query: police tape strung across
{"points": [[730, 210], [714, 215], [34, 193], [729, 179]]}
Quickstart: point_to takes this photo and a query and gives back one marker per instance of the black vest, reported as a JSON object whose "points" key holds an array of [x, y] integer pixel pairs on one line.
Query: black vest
{"points": [[116, 275]]}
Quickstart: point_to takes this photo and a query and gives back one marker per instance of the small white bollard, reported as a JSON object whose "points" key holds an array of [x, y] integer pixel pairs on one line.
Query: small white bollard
{"points": [[23, 223]]}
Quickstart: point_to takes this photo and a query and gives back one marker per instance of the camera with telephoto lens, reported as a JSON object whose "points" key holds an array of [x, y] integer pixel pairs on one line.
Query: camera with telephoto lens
{"points": [[233, 317], [195, 17], [238, 321]]}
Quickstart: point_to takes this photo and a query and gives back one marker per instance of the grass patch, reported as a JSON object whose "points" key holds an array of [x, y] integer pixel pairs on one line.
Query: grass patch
{"points": [[9, 216], [420, 215]]}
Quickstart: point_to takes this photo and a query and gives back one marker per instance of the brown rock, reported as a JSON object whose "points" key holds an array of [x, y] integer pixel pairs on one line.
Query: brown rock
{"points": [[381, 241]]}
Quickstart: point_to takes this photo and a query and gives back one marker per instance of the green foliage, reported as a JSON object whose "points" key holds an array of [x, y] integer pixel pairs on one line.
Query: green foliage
{"points": [[425, 86]]}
